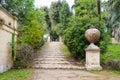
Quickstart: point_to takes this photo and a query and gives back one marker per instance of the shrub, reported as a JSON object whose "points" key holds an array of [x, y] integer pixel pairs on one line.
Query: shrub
{"points": [[38, 45], [74, 36], [113, 64], [85, 16], [24, 55]]}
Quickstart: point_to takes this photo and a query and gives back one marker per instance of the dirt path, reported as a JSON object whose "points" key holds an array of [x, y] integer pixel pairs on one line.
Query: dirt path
{"points": [[51, 64]]}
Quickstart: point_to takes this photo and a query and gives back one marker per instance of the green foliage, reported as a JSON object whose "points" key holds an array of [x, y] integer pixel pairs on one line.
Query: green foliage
{"points": [[113, 52], [112, 8], [54, 17], [64, 15], [59, 13], [54, 12], [65, 51], [43, 18], [20, 6], [24, 56], [13, 46], [32, 33], [59, 28], [30, 29], [54, 36], [86, 15], [113, 17], [111, 58], [22, 74]]}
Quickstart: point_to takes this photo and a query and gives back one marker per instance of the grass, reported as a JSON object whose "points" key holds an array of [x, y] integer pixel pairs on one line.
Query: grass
{"points": [[106, 72], [22, 74], [65, 51], [112, 53]]}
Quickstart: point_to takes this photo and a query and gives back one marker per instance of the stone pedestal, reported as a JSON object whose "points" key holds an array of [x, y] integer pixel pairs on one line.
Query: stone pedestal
{"points": [[93, 57]]}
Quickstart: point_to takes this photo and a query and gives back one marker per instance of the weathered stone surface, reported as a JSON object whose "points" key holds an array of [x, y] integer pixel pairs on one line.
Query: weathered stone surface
{"points": [[93, 57], [8, 25], [92, 35], [92, 51], [51, 57]]}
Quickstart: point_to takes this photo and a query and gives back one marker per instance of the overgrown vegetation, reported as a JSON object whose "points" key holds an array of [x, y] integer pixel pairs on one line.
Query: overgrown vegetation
{"points": [[24, 56], [23, 74], [65, 51], [111, 59]]}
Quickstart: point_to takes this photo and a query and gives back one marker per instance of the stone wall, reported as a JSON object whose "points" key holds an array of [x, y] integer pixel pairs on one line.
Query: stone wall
{"points": [[8, 25]]}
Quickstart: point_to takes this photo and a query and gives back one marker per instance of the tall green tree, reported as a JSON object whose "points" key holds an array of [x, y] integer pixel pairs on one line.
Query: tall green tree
{"points": [[54, 17], [59, 15], [32, 32], [64, 15], [54, 12], [47, 18]]}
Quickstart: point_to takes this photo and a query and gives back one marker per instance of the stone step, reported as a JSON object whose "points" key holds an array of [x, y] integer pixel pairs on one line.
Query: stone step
{"points": [[57, 66], [49, 59], [52, 62]]}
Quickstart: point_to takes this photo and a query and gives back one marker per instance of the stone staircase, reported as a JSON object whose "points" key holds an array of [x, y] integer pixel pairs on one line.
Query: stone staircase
{"points": [[51, 57]]}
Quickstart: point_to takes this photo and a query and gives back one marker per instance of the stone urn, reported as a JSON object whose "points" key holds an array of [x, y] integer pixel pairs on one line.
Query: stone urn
{"points": [[92, 35]]}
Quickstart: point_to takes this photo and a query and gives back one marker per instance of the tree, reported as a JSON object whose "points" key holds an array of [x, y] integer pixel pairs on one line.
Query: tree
{"points": [[64, 15], [59, 14], [32, 32], [47, 18], [113, 17], [54, 12], [54, 17], [20, 6]]}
